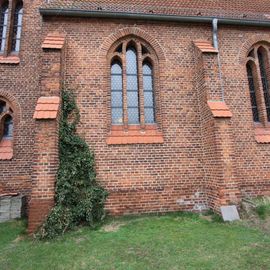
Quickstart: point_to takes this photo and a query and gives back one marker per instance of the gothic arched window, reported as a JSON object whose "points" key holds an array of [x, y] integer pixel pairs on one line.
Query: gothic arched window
{"points": [[17, 27], [3, 25], [6, 120], [258, 73], [6, 130], [132, 84], [252, 91]]}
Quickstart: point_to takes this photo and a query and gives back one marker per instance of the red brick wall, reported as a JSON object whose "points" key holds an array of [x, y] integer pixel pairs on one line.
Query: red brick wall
{"points": [[19, 83], [146, 177], [169, 176]]}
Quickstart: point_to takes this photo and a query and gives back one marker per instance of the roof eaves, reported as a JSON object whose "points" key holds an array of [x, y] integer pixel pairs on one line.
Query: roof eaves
{"points": [[151, 17]]}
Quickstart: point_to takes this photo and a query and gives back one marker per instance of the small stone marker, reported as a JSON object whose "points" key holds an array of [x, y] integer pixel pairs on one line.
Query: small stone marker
{"points": [[229, 213]]}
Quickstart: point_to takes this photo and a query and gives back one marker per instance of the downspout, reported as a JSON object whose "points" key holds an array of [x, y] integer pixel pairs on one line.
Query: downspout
{"points": [[216, 46]]}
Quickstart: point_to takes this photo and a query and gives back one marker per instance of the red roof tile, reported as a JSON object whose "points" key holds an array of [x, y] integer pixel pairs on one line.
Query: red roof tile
{"points": [[219, 109], [205, 46], [47, 108], [54, 41], [6, 149], [247, 9]]}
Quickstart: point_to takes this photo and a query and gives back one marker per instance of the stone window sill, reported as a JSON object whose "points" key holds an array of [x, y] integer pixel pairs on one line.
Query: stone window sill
{"points": [[10, 59], [135, 135]]}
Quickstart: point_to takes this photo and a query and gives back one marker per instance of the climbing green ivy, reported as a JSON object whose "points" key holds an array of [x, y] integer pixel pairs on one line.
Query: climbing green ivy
{"points": [[79, 199]]}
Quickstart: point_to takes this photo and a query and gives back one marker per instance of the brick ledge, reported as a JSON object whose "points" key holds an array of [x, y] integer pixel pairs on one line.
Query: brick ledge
{"points": [[15, 60], [135, 135]]}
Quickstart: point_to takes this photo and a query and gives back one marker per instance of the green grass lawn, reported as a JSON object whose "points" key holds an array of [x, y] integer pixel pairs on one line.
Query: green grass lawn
{"points": [[175, 241]]}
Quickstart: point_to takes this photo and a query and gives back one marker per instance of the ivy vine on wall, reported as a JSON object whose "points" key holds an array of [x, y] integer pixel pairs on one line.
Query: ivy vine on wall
{"points": [[79, 199]]}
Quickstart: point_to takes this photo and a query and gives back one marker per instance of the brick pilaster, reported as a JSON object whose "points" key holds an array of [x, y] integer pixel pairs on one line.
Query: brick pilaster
{"points": [[46, 159], [216, 130]]}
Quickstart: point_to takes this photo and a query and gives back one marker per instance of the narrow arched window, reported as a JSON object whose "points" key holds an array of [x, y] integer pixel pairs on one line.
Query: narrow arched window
{"points": [[117, 92], [132, 86], [8, 127], [265, 82], [149, 101], [6, 121], [252, 92], [3, 25], [6, 130], [258, 73], [17, 27]]}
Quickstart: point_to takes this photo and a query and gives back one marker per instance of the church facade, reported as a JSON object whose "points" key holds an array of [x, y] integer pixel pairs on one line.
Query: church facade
{"points": [[174, 98]]}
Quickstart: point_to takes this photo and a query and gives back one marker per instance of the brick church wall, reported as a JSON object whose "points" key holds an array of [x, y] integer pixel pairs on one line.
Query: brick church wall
{"points": [[140, 178], [168, 176], [19, 83]]}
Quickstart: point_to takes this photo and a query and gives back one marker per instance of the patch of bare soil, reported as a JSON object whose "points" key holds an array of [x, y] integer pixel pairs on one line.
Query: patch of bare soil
{"points": [[113, 227], [19, 238], [208, 218]]}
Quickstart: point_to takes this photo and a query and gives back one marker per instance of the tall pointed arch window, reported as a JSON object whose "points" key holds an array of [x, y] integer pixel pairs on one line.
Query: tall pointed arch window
{"points": [[11, 17], [3, 25], [263, 61], [6, 130], [116, 92], [132, 85], [258, 74], [251, 82], [17, 27], [148, 88]]}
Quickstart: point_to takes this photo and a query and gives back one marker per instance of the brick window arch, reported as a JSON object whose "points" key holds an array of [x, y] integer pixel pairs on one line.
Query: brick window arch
{"points": [[133, 91], [6, 129], [258, 73]]}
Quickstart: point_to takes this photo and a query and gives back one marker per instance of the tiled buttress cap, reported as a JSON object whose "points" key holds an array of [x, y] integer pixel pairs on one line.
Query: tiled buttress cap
{"points": [[219, 109], [262, 135], [54, 41], [205, 46], [47, 108]]}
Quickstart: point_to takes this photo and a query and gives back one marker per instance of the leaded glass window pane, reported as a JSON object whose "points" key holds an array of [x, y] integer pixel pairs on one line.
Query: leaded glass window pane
{"points": [[148, 99], [117, 99], [131, 58], [252, 92], [117, 93], [133, 116], [149, 115], [117, 116], [265, 84], [132, 83], [149, 103], [132, 86], [17, 27], [3, 25], [117, 83]]}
